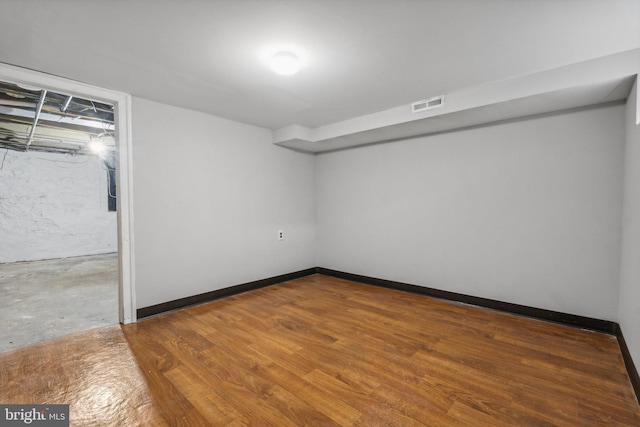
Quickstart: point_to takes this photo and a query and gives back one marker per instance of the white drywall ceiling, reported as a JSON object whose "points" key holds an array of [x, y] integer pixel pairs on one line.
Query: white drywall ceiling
{"points": [[363, 56]]}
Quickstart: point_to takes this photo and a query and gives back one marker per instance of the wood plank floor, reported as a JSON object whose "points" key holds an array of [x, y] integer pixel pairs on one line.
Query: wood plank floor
{"points": [[328, 352]]}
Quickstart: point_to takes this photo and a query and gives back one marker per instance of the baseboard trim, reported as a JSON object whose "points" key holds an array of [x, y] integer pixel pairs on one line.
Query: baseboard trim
{"points": [[220, 293], [628, 362], [598, 325]]}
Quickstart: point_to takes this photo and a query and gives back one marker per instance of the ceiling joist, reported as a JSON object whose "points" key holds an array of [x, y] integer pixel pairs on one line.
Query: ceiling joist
{"points": [[41, 120]]}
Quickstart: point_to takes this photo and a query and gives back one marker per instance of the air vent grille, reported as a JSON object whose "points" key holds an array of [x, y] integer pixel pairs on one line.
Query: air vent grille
{"points": [[427, 104]]}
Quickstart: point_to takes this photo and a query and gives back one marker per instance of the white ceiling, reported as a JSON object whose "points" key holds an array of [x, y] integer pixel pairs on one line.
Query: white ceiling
{"points": [[362, 56]]}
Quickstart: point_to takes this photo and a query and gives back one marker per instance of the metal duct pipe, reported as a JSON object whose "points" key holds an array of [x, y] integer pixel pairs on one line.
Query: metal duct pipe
{"points": [[66, 104], [35, 119]]}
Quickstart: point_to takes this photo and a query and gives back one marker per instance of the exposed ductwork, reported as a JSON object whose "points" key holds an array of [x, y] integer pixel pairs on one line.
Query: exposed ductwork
{"points": [[32, 119], [36, 117]]}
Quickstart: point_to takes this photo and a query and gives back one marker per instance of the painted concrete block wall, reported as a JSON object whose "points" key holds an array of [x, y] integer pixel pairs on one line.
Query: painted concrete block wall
{"points": [[630, 266], [53, 206], [209, 197], [527, 212]]}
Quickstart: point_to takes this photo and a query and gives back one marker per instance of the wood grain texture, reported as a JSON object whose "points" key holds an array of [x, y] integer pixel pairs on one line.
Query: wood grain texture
{"points": [[326, 351]]}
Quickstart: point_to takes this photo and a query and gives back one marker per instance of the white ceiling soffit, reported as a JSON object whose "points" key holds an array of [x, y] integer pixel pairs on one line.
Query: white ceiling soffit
{"points": [[362, 56], [598, 81]]}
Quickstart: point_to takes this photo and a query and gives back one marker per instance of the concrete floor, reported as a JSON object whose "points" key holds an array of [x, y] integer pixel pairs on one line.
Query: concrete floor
{"points": [[42, 300]]}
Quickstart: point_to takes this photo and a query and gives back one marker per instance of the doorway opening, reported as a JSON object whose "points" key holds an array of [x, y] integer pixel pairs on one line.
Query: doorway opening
{"points": [[58, 260], [65, 168]]}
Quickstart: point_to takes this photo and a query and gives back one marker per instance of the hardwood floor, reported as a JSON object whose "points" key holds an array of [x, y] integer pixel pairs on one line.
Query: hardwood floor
{"points": [[325, 351]]}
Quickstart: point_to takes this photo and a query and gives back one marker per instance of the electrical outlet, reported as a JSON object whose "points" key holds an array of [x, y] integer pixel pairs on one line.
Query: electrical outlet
{"points": [[280, 234]]}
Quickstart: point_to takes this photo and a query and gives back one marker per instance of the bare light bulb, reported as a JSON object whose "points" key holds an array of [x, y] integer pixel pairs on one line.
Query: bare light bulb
{"points": [[97, 146], [285, 63]]}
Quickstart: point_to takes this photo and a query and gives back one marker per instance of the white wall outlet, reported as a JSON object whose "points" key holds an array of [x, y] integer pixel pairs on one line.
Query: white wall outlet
{"points": [[280, 234]]}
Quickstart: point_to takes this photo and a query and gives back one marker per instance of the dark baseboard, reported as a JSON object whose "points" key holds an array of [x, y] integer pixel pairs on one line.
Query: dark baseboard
{"points": [[537, 313], [628, 362], [220, 293], [523, 310]]}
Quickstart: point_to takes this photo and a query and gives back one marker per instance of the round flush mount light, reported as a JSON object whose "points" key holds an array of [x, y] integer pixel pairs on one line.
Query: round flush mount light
{"points": [[285, 63]]}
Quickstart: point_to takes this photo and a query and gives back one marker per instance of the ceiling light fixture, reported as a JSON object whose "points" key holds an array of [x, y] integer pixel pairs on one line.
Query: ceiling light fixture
{"points": [[285, 63]]}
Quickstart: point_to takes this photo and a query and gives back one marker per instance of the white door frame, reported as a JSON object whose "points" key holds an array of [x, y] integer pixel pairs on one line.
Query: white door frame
{"points": [[122, 117]]}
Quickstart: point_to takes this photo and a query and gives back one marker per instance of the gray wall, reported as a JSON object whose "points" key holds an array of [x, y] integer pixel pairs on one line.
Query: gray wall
{"points": [[630, 267], [209, 197], [527, 212], [53, 206]]}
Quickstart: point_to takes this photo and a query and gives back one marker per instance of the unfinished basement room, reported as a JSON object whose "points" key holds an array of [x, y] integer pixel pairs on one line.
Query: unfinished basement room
{"points": [[320, 213], [58, 260]]}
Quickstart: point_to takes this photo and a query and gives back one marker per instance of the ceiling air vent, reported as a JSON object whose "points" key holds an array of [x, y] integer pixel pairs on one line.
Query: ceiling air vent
{"points": [[427, 104]]}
